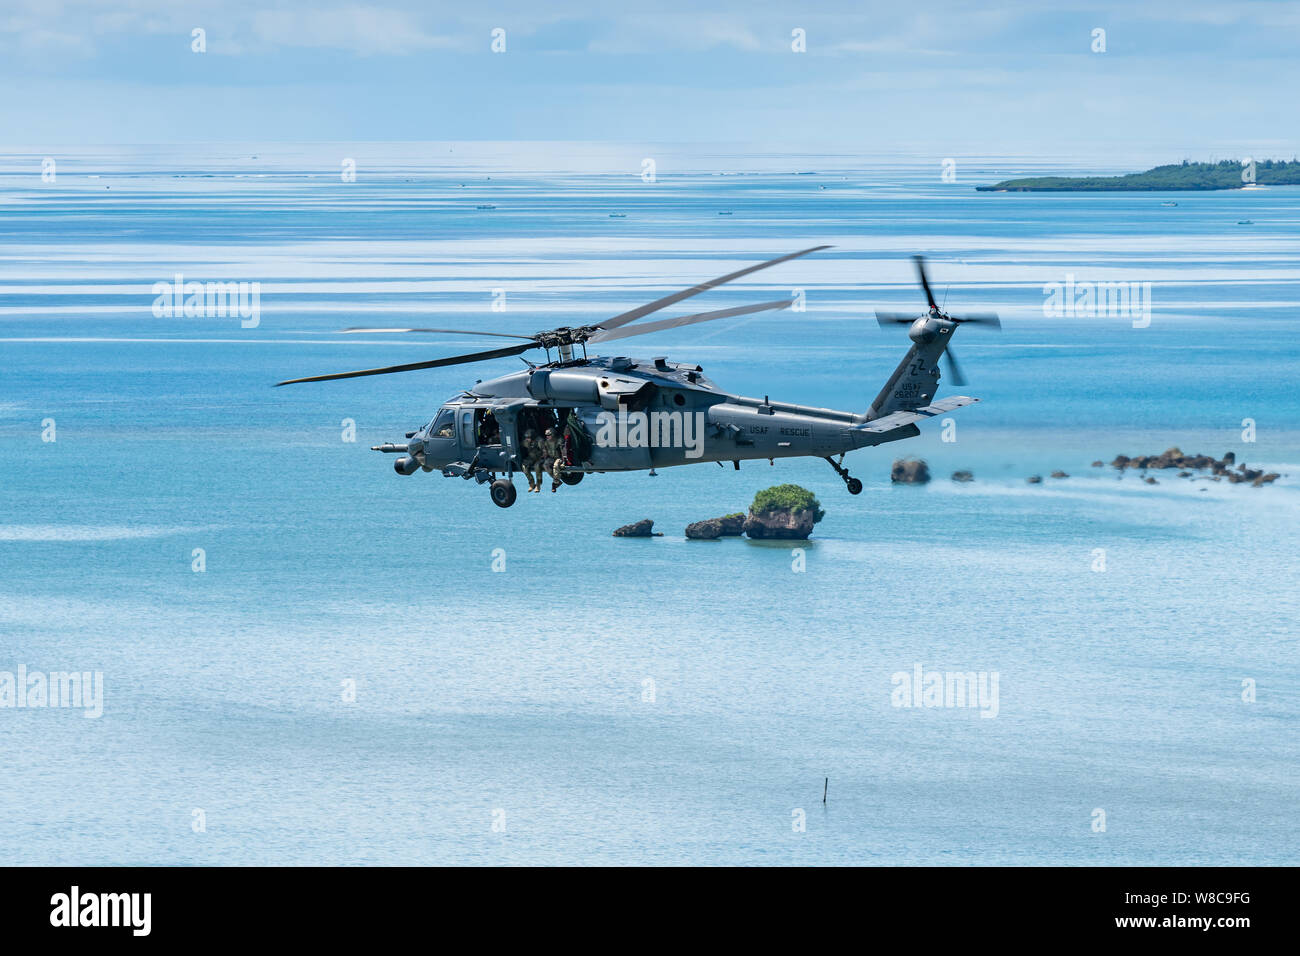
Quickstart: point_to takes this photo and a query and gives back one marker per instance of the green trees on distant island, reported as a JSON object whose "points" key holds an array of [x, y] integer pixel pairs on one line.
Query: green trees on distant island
{"points": [[1225, 174]]}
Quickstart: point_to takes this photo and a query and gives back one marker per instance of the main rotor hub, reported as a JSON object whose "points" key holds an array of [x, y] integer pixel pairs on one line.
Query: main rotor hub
{"points": [[566, 336], [926, 328]]}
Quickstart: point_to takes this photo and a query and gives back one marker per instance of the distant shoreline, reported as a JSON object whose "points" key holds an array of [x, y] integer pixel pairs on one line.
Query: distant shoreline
{"points": [[1175, 177]]}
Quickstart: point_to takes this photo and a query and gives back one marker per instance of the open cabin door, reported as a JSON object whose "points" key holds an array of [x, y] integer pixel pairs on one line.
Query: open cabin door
{"points": [[465, 432], [508, 416]]}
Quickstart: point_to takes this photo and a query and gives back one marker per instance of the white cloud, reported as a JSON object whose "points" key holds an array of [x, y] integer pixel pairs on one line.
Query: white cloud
{"points": [[693, 32], [363, 30]]}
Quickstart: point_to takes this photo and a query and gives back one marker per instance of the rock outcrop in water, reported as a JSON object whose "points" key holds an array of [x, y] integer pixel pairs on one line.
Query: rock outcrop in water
{"points": [[1219, 468], [1173, 458], [733, 525], [909, 471], [783, 511], [730, 525], [638, 529], [788, 524], [706, 530], [963, 476]]}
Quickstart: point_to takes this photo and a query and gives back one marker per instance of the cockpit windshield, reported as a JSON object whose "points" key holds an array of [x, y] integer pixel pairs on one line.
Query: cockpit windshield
{"points": [[443, 426]]}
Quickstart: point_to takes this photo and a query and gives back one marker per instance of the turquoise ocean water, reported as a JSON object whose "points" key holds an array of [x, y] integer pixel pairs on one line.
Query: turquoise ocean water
{"points": [[624, 701]]}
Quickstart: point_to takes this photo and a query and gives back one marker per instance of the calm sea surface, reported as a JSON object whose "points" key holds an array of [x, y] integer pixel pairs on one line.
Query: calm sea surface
{"points": [[633, 701]]}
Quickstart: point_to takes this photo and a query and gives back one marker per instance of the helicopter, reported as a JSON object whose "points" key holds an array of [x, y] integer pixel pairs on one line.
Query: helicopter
{"points": [[626, 414]]}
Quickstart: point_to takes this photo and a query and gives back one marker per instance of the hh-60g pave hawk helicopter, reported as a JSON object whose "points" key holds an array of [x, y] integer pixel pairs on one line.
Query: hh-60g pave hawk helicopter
{"points": [[625, 414]]}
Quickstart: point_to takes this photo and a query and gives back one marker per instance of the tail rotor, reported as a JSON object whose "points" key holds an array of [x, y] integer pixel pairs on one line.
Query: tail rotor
{"points": [[925, 326]]}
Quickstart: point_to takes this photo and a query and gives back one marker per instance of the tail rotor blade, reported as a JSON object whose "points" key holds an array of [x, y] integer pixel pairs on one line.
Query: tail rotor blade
{"points": [[979, 318], [957, 377], [925, 283]]}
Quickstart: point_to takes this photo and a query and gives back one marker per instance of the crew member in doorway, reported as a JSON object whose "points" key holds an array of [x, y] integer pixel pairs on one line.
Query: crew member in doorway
{"points": [[553, 452], [489, 429], [532, 456]]}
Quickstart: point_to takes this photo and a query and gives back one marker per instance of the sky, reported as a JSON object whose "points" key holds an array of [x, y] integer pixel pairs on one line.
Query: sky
{"points": [[1177, 78]]}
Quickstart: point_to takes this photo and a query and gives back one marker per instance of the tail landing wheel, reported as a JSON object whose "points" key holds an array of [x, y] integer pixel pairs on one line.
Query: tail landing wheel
{"points": [[853, 484], [503, 493]]}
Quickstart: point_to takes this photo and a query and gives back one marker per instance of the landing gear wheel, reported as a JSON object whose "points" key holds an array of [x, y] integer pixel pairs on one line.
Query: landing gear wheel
{"points": [[503, 493], [572, 478], [854, 486]]}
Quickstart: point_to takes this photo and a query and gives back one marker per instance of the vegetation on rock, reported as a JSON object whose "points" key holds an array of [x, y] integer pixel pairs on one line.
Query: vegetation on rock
{"points": [[787, 498]]}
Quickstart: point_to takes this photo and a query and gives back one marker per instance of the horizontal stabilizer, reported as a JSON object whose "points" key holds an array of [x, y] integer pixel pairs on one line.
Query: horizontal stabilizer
{"points": [[898, 419]]}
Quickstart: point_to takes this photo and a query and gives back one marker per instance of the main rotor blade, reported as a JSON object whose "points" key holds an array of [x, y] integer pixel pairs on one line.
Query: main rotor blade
{"points": [[502, 335], [925, 283], [605, 336], [957, 377], [415, 366], [676, 297]]}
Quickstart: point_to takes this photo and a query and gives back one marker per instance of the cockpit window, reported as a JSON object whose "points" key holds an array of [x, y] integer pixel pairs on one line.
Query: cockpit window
{"points": [[442, 426]]}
